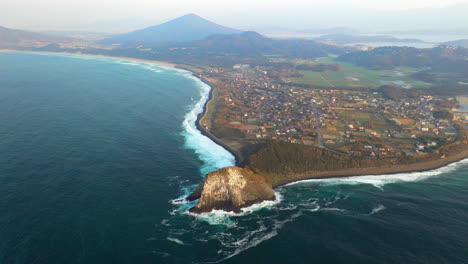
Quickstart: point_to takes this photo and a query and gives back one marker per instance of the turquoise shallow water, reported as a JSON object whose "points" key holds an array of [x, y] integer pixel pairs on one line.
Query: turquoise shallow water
{"points": [[94, 150]]}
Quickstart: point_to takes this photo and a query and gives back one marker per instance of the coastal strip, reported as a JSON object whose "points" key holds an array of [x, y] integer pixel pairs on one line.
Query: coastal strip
{"points": [[161, 63], [204, 131], [423, 166]]}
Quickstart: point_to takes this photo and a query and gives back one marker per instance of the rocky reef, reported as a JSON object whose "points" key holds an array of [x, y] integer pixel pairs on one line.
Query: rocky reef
{"points": [[230, 189]]}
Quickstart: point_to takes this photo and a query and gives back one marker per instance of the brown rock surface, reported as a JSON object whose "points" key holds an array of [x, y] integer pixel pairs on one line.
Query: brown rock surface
{"points": [[231, 189]]}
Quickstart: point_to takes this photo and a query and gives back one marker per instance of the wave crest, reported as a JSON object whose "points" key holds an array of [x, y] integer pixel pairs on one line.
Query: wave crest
{"points": [[380, 180], [212, 155]]}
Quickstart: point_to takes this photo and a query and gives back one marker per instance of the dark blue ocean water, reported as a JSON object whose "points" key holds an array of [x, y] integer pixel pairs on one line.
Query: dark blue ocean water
{"points": [[93, 151]]}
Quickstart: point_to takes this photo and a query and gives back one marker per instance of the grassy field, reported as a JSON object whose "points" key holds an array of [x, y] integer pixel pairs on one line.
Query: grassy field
{"points": [[355, 76], [378, 121]]}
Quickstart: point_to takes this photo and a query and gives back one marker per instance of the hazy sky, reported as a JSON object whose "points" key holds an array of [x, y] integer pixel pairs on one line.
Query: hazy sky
{"points": [[121, 15]]}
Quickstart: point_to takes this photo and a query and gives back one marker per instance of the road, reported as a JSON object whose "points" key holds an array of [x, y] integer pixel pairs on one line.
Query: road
{"points": [[319, 132], [318, 124]]}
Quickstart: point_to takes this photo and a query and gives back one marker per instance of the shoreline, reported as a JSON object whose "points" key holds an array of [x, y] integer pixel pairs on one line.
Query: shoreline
{"points": [[422, 166], [348, 173], [372, 171], [237, 156], [162, 63]]}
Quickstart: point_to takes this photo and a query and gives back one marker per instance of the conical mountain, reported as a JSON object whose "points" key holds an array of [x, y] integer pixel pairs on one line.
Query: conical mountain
{"points": [[186, 28]]}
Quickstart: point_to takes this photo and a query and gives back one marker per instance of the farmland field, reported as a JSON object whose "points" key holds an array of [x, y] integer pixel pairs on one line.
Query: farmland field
{"points": [[354, 76]]}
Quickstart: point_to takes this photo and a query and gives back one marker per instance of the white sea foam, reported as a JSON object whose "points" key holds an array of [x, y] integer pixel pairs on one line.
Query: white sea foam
{"points": [[380, 180], [377, 209], [212, 155], [220, 217], [245, 244], [253, 238], [262, 205], [165, 222], [154, 67], [175, 240], [333, 209]]}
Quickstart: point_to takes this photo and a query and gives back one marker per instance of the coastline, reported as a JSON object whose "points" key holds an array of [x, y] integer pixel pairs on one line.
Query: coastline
{"points": [[238, 156], [423, 166], [162, 63]]}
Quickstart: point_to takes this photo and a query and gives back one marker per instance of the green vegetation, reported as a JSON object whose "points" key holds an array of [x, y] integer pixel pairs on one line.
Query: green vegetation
{"points": [[445, 67], [351, 75], [279, 161]]}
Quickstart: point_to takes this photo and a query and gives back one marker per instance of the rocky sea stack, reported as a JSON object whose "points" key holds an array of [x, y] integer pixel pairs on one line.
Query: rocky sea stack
{"points": [[231, 189]]}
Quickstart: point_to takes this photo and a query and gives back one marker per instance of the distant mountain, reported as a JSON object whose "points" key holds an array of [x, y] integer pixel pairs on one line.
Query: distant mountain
{"points": [[186, 28], [253, 43], [250, 44], [442, 58], [12, 38], [219, 50], [457, 43], [335, 30], [446, 67], [345, 39]]}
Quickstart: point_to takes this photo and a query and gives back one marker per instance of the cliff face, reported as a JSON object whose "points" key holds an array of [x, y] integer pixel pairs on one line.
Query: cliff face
{"points": [[231, 189]]}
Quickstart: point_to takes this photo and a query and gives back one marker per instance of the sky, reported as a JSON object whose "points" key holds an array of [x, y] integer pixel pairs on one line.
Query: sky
{"points": [[124, 15]]}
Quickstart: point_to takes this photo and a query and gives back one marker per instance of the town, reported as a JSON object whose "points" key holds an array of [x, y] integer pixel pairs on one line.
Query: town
{"points": [[261, 104]]}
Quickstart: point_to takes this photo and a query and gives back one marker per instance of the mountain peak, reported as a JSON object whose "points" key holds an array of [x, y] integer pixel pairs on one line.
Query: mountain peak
{"points": [[188, 27], [191, 15], [188, 18]]}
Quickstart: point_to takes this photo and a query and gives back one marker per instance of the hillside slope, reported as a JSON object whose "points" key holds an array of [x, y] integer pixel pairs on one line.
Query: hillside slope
{"points": [[186, 28], [12, 38]]}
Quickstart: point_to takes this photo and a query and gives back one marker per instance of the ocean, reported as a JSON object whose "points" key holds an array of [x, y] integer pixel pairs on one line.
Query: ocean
{"points": [[95, 152]]}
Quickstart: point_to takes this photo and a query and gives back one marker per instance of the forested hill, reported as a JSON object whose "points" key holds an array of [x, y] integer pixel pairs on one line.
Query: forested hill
{"points": [[217, 50], [251, 44], [445, 57], [458, 43], [446, 66], [12, 38]]}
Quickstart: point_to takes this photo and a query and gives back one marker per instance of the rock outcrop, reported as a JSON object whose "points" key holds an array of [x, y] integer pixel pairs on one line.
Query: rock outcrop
{"points": [[231, 189]]}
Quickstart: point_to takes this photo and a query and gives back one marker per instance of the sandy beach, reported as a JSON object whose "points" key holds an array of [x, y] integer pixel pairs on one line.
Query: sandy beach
{"points": [[163, 63]]}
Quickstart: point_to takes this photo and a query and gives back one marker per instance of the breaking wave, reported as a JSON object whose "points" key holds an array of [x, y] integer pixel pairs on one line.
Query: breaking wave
{"points": [[217, 217], [380, 180], [175, 240], [212, 155]]}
